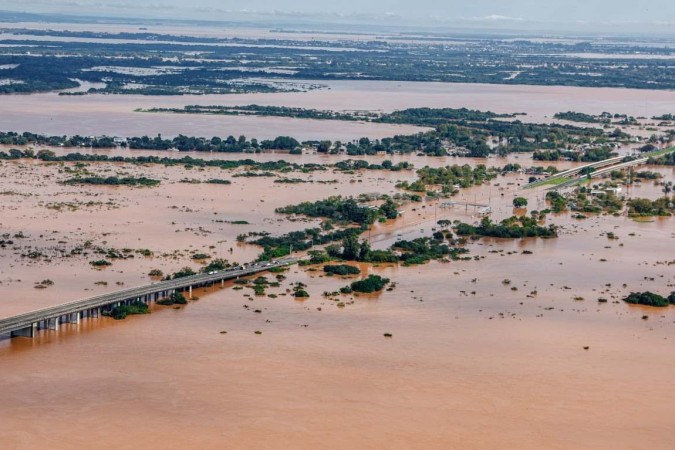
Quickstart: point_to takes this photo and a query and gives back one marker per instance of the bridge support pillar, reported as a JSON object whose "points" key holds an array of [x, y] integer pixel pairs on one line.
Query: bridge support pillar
{"points": [[72, 318], [53, 324], [25, 332], [190, 292]]}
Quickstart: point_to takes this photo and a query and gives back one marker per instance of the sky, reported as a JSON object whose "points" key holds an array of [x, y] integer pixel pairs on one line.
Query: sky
{"points": [[516, 14]]}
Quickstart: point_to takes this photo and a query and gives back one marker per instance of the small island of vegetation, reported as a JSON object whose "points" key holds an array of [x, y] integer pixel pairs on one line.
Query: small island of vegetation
{"points": [[513, 228], [650, 299]]}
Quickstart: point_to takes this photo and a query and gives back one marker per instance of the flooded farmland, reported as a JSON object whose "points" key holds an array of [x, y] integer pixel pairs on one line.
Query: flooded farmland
{"points": [[522, 343], [467, 352]]}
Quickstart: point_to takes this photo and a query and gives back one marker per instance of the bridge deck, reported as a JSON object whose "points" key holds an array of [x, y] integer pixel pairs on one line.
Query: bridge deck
{"points": [[604, 166], [27, 320]]}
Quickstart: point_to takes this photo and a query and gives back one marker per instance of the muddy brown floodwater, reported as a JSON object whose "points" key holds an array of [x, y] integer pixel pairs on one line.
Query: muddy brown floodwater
{"points": [[114, 114], [472, 363]]}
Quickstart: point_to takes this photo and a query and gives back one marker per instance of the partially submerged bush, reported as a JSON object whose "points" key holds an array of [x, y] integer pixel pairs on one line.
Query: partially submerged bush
{"points": [[649, 299], [174, 299], [341, 269], [122, 311], [374, 283]]}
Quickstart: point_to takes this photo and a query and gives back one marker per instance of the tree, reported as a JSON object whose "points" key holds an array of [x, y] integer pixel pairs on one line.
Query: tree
{"points": [[389, 209], [337, 147], [364, 251], [647, 299], [374, 283], [333, 251], [45, 155], [184, 272], [519, 202], [351, 248], [324, 146]]}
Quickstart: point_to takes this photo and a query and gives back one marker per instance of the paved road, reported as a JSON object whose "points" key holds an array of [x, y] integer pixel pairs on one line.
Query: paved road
{"points": [[606, 165], [25, 320]]}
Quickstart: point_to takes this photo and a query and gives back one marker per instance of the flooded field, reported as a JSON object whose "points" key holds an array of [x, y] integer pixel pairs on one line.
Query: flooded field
{"points": [[455, 374], [115, 114], [472, 363], [527, 344]]}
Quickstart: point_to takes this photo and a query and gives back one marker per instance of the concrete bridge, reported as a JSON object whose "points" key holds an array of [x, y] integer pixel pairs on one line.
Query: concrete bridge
{"points": [[600, 173], [51, 318], [572, 177], [594, 165]]}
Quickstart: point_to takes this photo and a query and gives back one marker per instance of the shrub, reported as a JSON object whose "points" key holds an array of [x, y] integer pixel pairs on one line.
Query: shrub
{"points": [[100, 263], [374, 283], [519, 202], [174, 299], [122, 311], [341, 269], [184, 272], [647, 299]]}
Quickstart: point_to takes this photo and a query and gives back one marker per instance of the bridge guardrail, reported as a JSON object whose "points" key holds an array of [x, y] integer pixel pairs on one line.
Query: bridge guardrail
{"points": [[26, 319]]}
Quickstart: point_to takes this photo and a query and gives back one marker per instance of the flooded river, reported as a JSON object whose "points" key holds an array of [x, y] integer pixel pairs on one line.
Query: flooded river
{"points": [[115, 114]]}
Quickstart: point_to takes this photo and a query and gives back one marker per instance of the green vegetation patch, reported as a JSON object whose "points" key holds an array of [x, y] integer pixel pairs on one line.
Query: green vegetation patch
{"points": [[513, 228], [650, 299], [121, 312], [341, 269], [374, 283], [175, 298], [643, 207], [114, 181]]}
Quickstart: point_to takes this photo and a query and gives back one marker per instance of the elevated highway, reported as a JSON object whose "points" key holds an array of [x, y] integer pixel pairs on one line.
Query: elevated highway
{"points": [[572, 176], [28, 323]]}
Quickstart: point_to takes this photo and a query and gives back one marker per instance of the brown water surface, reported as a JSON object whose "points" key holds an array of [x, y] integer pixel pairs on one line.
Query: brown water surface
{"points": [[114, 114], [474, 361]]}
